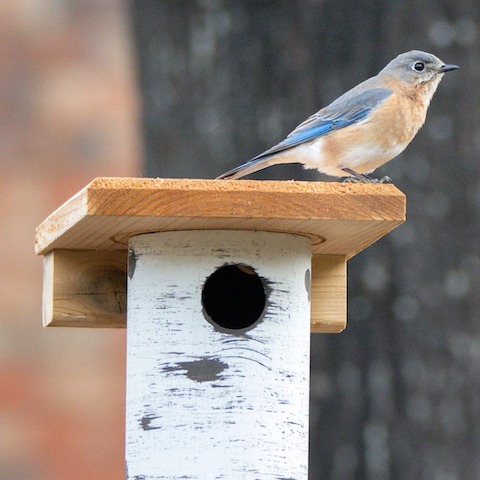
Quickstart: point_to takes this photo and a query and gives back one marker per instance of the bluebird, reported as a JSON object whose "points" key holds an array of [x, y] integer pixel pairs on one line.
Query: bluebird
{"points": [[363, 128]]}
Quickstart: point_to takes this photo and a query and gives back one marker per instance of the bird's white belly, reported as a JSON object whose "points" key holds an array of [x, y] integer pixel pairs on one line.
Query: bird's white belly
{"points": [[366, 158], [361, 158]]}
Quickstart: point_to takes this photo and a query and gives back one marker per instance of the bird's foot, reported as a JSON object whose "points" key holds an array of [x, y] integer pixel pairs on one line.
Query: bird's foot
{"points": [[356, 177], [385, 179]]}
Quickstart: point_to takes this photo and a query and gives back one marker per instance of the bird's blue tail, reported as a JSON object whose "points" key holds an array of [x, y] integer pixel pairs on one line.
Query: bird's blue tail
{"points": [[247, 168]]}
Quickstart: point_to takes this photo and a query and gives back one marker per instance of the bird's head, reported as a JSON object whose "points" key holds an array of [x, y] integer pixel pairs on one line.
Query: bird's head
{"points": [[417, 68]]}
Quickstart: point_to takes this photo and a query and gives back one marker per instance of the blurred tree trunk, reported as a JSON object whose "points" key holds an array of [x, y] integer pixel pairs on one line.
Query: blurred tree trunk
{"points": [[397, 395]]}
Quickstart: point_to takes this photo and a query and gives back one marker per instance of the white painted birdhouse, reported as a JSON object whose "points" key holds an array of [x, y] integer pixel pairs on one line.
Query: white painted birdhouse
{"points": [[226, 280]]}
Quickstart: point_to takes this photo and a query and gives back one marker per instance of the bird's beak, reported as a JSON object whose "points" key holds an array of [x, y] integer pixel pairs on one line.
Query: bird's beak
{"points": [[448, 68]]}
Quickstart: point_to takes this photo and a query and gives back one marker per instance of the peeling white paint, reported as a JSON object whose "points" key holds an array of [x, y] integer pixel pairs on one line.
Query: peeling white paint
{"points": [[207, 404]]}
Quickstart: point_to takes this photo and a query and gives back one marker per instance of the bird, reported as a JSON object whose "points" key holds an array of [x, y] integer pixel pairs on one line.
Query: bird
{"points": [[365, 127]]}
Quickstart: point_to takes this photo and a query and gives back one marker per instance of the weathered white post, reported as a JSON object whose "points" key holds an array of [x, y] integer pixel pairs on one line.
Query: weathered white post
{"points": [[208, 400], [226, 280]]}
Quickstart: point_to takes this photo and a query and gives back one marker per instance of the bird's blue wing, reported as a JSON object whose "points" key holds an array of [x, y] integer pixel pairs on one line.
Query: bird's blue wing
{"points": [[353, 107], [347, 110]]}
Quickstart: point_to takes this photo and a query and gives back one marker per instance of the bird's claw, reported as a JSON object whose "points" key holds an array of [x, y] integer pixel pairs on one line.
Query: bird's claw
{"points": [[361, 178], [356, 177], [385, 179]]}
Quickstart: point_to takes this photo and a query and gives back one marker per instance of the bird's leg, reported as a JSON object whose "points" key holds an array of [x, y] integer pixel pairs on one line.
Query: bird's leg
{"points": [[356, 177]]}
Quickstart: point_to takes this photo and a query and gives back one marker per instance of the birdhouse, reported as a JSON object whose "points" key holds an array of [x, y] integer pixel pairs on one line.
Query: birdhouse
{"points": [[219, 284]]}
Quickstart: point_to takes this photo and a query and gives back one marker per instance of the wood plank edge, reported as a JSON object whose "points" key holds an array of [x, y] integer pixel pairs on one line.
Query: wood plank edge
{"points": [[85, 288]]}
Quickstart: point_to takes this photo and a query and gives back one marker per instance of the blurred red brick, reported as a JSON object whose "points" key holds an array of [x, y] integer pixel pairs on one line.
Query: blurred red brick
{"points": [[68, 114]]}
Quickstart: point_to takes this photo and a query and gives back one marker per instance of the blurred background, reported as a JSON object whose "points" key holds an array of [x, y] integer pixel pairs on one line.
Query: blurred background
{"points": [[185, 88], [68, 113]]}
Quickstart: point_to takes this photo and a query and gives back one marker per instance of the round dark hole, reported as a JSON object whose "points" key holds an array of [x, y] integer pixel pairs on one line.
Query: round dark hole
{"points": [[233, 296]]}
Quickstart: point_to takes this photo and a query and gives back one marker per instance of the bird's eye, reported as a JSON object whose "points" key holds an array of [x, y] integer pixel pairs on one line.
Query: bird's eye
{"points": [[419, 66]]}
